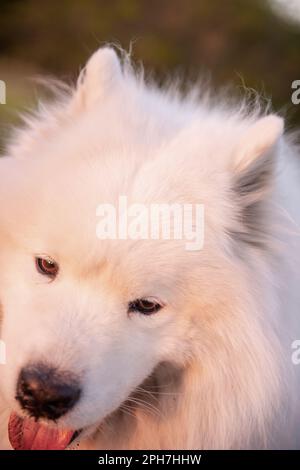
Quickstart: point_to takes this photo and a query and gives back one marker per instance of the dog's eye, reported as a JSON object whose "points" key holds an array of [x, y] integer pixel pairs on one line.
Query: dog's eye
{"points": [[144, 306], [46, 266]]}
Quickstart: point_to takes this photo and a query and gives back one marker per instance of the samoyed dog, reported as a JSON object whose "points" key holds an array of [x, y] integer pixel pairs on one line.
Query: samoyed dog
{"points": [[138, 342]]}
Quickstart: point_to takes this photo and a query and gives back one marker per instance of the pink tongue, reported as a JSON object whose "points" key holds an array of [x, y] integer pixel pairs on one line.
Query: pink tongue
{"points": [[26, 434]]}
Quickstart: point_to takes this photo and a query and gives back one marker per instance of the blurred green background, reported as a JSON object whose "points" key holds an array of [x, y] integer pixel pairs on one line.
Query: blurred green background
{"points": [[243, 42]]}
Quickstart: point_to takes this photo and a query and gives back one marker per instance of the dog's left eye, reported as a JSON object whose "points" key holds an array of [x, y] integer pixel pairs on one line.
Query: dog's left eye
{"points": [[145, 306], [46, 266]]}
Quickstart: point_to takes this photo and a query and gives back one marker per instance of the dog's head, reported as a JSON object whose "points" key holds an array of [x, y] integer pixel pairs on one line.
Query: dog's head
{"points": [[87, 320]]}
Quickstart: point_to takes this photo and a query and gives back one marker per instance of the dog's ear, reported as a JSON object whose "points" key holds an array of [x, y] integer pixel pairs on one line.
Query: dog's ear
{"points": [[254, 157], [255, 165], [101, 73], [258, 140]]}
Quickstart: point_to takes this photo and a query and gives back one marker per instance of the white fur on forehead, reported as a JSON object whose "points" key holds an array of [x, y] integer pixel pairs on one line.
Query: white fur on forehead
{"points": [[115, 102]]}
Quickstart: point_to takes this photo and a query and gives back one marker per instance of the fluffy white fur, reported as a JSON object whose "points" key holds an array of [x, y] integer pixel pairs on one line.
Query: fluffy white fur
{"points": [[213, 368]]}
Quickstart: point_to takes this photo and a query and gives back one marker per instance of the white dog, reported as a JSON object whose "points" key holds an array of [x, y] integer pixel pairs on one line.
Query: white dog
{"points": [[140, 343]]}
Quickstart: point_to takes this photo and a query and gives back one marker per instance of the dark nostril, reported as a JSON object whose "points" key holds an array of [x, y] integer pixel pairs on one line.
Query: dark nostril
{"points": [[46, 392]]}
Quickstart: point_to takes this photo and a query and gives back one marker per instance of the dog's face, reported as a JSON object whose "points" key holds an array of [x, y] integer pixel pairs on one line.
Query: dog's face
{"points": [[84, 316], [85, 321]]}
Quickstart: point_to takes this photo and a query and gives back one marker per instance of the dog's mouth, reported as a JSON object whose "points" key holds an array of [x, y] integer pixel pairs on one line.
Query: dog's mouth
{"points": [[28, 434]]}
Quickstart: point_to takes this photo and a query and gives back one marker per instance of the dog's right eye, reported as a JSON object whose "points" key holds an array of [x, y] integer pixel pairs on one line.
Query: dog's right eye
{"points": [[46, 266], [145, 306]]}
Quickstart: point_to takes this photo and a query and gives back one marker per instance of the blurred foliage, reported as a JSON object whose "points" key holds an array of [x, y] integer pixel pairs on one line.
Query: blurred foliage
{"points": [[237, 41]]}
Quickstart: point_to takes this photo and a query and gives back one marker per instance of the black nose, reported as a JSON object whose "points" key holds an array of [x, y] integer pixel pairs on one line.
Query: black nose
{"points": [[46, 392]]}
